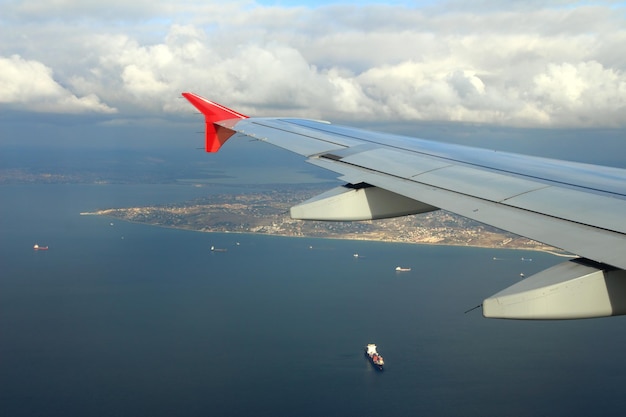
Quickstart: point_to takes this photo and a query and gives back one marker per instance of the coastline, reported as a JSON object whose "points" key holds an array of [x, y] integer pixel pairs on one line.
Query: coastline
{"points": [[341, 236]]}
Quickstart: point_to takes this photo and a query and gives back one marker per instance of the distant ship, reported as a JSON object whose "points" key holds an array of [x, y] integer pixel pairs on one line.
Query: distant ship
{"points": [[375, 358], [400, 269], [37, 247]]}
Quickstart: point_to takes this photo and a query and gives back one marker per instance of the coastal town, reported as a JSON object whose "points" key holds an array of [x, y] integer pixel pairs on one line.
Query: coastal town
{"points": [[268, 213]]}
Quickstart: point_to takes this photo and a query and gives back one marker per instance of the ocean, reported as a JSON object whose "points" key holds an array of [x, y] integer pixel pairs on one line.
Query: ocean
{"points": [[122, 319]]}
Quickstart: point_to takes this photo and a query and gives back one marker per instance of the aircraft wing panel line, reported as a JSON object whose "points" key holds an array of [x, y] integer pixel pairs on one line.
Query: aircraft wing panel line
{"points": [[287, 125], [473, 181], [302, 145], [401, 164]]}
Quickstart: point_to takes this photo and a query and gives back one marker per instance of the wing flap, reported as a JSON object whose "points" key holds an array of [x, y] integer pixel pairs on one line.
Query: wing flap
{"points": [[475, 182], [575, 206], [442, 174], [562, 203], [496, 186], [395, 162]]}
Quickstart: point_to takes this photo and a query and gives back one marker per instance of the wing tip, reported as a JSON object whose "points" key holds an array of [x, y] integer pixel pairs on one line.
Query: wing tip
{"points": [[215, 134], [215, 111]]}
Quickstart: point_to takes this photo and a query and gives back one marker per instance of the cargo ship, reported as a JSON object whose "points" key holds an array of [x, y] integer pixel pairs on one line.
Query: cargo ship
{"points": [[375, 358]]}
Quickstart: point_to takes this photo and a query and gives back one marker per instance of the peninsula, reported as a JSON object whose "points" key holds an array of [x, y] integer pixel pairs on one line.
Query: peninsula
{"points": [[268, 213]]}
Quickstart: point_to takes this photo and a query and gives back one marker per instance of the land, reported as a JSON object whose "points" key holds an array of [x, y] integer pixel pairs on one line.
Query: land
{"points": [[251, 211], [268, 213]]}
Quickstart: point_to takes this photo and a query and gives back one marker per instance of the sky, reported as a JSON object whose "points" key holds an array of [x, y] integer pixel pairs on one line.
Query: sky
{"points": [[523, 65]]}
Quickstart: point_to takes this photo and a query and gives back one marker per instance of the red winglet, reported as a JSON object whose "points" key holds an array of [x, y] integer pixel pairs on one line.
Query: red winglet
{"points": [[215, 135]]}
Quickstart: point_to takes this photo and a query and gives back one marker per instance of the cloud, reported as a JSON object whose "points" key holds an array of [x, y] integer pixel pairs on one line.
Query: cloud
{"points": [[528, 66], [29, 85], [574, 93]]}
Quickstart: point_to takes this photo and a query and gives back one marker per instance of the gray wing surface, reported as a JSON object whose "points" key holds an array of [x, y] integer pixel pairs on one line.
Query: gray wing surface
{"points": [[576, 207]]}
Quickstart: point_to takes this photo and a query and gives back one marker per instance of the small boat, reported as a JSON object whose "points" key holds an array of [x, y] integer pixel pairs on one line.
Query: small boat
{"points": [[214, 249], [401, 269], [375, 358], [37, 247]]}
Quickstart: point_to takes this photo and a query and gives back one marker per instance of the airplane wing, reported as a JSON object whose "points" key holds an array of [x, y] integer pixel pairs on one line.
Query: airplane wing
{"points": [[577, 207]]}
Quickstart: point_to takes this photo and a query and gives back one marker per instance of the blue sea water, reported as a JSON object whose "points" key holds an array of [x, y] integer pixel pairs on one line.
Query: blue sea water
{"points": [[121, 319]]}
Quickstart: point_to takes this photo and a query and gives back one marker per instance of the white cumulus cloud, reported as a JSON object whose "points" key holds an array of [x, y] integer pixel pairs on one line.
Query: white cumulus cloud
{"points": [[549, 64], [30, 85]]}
